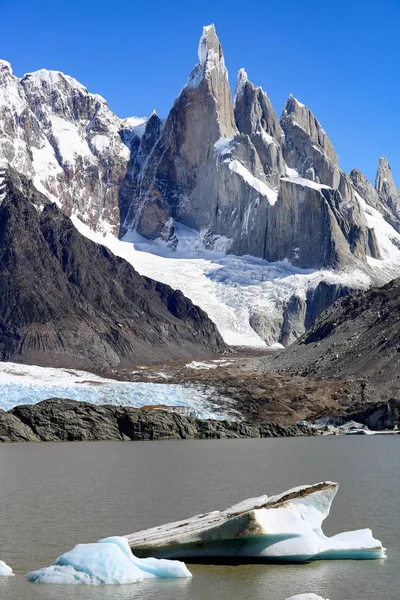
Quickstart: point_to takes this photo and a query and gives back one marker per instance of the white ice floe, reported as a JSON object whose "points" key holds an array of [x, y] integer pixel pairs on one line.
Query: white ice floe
{"points": [[109, 561], [5, 570], [287, 527], [28, 384], [306, 597]]}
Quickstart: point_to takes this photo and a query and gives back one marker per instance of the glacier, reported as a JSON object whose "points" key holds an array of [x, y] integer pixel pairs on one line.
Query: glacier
{"points": [[109, 561], [5, 570], [29, 384], [282, 528], [228, 288]]}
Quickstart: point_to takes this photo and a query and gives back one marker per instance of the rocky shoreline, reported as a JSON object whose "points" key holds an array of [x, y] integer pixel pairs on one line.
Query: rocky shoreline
{"points": [[60, 419]]}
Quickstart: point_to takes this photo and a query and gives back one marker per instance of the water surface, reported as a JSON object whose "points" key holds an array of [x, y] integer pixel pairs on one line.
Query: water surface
{"points": [[54, 495]]}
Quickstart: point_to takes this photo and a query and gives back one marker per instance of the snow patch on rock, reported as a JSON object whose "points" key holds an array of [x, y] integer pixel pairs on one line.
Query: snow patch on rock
{"points": [[261, 187]]}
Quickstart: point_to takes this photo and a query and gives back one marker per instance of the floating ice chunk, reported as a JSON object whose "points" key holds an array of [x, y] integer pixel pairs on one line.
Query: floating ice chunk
{"points": [[155, 567], [280, 528], [5, 570], [109, 561], [306, 597]]}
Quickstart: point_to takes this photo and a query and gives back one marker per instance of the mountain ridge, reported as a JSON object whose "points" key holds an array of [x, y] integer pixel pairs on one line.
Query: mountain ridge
{"points": [[66, 301]]}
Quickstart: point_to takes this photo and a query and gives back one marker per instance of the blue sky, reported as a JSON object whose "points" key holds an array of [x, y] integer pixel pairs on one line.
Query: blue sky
{"points": [[341, 58]]}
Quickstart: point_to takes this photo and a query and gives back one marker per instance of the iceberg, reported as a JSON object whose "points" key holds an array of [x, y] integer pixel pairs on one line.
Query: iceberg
{"points": [[306, 597], [283, 528], [109, 561], [5, 570]]}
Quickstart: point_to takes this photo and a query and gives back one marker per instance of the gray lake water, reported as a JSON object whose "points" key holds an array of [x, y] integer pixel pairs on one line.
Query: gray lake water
{"points": [[53, 496]]}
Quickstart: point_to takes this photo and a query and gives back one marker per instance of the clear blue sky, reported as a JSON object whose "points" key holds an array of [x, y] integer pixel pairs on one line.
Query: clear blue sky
{"points": [[341, 58]]}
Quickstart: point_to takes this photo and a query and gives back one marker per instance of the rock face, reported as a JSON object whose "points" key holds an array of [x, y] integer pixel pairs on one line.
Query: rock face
{"points": [[223, 173], [377, 416], [68, 420], [386, 188], [359, 335], [255, 117], [384, 197], [244, 181], [66, 301]]}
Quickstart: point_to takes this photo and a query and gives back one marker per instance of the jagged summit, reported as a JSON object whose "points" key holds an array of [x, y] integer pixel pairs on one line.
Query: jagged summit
{"points": [[241, 80], [51, 78], [5, 66], [210, 50], [297, 115], [384, 182]]}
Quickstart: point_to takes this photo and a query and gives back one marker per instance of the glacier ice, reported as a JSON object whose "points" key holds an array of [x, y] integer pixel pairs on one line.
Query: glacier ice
{"points": [[229, 288], [287, 527], [109, 561], [28, 384], [306, 597], [5, 570]]}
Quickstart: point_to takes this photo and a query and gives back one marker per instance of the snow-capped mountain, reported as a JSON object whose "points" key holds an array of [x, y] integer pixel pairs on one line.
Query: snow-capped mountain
{"points": [[217, 182], [67, 141], [244, 180]]}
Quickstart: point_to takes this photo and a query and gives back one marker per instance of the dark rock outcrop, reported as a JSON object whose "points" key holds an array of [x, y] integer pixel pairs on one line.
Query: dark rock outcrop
{"points": [[377, 416], [359, 335], [322, 297], [68, 420], [66, 301]]}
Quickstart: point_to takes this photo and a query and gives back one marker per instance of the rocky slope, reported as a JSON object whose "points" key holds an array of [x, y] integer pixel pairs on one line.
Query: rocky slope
{"points": [[68, 420], [358, 336], [66, 301]]}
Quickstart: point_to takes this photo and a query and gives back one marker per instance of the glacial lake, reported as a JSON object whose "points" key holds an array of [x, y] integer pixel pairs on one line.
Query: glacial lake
{"points": [[54, 495]]}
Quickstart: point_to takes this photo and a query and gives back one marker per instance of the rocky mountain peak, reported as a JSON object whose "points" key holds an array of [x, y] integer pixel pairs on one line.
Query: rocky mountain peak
{"points": [[241, 80], [208, 84], [297, 115], [384, 182], [253, 106], [210, 50], [387, 191], [5, 67], [255, 117]]}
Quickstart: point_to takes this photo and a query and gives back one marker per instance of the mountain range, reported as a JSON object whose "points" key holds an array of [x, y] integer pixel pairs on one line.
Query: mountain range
{"points": [[241, 180]]}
